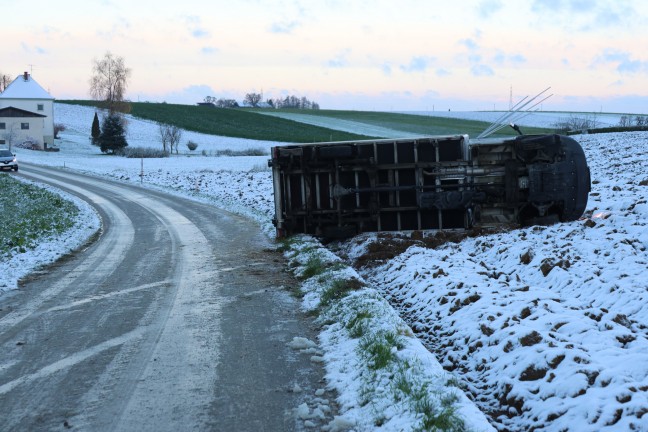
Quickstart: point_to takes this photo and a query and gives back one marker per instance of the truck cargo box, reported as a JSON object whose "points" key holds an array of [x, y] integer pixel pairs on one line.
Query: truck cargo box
{"points": [[339, 189]]}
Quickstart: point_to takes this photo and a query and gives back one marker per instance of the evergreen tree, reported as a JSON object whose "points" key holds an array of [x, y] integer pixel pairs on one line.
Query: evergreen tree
{"points": [[95, 130], [113, 135]]}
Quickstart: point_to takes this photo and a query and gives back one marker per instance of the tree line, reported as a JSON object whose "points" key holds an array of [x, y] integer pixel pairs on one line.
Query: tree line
{"points": [[293, 102], [627, 121], [255, 100]]}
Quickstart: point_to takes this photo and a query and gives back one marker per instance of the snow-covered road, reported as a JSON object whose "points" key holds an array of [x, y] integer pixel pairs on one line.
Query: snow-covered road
{"points": [[176, 318]]}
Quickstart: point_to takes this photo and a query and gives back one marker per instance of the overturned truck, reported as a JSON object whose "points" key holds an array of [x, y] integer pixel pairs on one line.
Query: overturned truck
{"points": [[340, 189]]}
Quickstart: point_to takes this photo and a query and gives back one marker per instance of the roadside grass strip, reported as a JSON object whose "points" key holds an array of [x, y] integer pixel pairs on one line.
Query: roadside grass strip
{"points": [[38, 224], [385, 378], [29, 214]]}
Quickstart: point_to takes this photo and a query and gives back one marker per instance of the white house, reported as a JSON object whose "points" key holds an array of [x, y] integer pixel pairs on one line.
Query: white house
{"points": [[18, 126], [26, 95]]}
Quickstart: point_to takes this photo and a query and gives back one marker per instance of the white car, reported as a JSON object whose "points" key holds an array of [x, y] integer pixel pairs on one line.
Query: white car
{"points": [[8, 160]]}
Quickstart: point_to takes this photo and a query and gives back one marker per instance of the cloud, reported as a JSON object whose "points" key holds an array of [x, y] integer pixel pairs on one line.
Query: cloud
{"points": [[608, 17], [477, 68], [472, 43], [208, 50], [502, 58], [417, 64], [546, 5], [194, 27], [585, 15], [487, 8], [33, 49], [386, 69], [284, 27], [581, 5], [120, 28], [340, 60], [49, 30], [469, 43], [199, 33], [482, 70], [441, 72], [474, 58], [623, 60]]}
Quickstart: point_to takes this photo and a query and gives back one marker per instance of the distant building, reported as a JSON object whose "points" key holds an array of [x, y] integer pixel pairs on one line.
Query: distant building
{"points": [[36, 106]]}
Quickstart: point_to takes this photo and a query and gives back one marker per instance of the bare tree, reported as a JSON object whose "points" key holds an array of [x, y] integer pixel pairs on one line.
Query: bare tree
{"points": [[624, 121], [575, 123], [164, 135], [253, 99], [226, 103], [109, 81], [10, 135], [175, 135], [58, 127], [5, 80], [170, 136]]}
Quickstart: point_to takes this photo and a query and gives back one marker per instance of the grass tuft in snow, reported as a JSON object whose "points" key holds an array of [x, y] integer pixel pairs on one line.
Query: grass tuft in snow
{"points": [[338, 289], [403, 384], [381, 348], [314, 266], [357, 327], [438, 418], [289, 244]]}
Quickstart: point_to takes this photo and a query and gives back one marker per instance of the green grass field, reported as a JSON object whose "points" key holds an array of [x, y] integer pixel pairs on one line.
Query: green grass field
{"points": [[37, 214], [252, 124], [238, 123], [418, 124]]}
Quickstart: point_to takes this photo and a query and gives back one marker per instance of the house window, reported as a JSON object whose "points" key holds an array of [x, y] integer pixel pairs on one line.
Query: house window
{"points": [[3, 126], [2, 141], [41, 107], [24, 126]]}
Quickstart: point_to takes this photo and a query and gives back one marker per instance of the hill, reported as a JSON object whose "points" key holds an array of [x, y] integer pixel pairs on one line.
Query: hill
{"points": [[392, 124], [301, 126], [237, 123]]}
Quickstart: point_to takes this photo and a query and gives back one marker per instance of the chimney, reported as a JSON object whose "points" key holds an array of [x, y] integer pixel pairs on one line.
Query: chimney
{"points": [[26, 76]]}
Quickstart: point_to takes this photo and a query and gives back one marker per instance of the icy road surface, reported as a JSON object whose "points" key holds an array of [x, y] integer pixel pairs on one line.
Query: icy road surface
{"points": [[175, 319]]}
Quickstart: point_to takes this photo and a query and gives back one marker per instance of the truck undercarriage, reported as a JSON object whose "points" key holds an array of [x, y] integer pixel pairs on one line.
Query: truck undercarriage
{"points": [[441, 182]]}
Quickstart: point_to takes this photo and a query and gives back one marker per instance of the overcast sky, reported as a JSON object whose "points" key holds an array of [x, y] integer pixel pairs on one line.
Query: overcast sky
{"points": [[348, 54]]}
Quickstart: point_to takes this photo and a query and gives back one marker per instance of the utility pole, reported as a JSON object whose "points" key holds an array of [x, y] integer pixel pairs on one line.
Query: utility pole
{"points": [[511, 97]]}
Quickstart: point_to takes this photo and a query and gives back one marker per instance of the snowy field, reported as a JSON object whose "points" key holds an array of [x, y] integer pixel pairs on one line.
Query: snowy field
{"points": [[343, 125], [546, 119], [546, 328]]}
